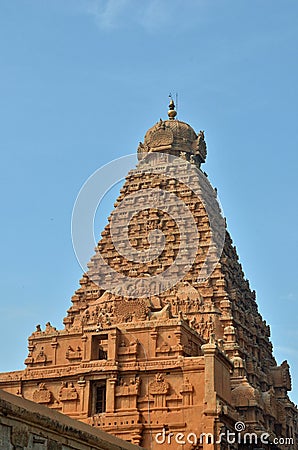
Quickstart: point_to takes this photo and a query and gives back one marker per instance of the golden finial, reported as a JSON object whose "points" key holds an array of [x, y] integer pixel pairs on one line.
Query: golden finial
{"points": [[172, 113]]}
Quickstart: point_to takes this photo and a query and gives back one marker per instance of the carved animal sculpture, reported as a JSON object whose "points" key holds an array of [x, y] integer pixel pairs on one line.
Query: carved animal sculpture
{"points": [[164, 313]]}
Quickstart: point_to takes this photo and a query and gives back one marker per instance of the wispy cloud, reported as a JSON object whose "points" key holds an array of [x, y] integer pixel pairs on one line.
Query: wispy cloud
{"points": [[108, 14], [149, 15]]}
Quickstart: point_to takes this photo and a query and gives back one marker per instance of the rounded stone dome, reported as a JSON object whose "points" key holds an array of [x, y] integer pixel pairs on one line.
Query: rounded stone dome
{"points": [[175, 137], [169, 132], [245, 394]]}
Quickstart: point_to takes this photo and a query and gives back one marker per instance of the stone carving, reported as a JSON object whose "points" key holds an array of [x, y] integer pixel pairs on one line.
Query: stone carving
{"points": [[49, 328], [186, 386], [161, 137], [200, 147], [130, 387], [41, 357], [128, 349], [281, 376], [163, 348], [100, 313], [53, 445], [5, 437], [42, 394], [29, 360], [187, 392], [159, 389], [205, 328], [130, 311], [159, 385], [164, 313], [20, 437], [73, 354], [67, 392], [187, 299], [269, 401], [173, 134], [142, 150]]}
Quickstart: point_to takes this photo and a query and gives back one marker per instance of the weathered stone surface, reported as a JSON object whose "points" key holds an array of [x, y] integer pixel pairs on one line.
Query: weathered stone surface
{"points": [[26, 425]]}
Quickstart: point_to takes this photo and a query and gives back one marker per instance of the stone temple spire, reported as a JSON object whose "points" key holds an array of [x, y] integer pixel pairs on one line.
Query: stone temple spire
{"points": [[164, 338]]}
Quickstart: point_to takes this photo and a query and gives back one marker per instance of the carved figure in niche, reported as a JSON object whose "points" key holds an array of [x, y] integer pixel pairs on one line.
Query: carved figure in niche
{"points": [[205, 329], [42, 394], [41, 357], [159, 385], [188, 299], [193, 323], [187, 386], [210, 325], [128, 388], [134, 384], [164, 348], [73, 354], [67, 392]]}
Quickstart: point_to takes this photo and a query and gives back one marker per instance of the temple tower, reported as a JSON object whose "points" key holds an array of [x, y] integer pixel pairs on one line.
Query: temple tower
{"points": [[163, 344]]}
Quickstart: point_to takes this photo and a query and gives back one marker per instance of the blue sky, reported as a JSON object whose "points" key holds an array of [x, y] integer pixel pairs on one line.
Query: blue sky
{"points": [[82, 81]]}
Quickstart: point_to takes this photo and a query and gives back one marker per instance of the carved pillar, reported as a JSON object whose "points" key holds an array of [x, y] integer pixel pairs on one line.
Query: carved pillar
{"points": [[209, 351], [153, 335], [82, 385], [84, 341], [179, 347], [54, 345], [210, 412], [112, 344], [110, 394]]}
